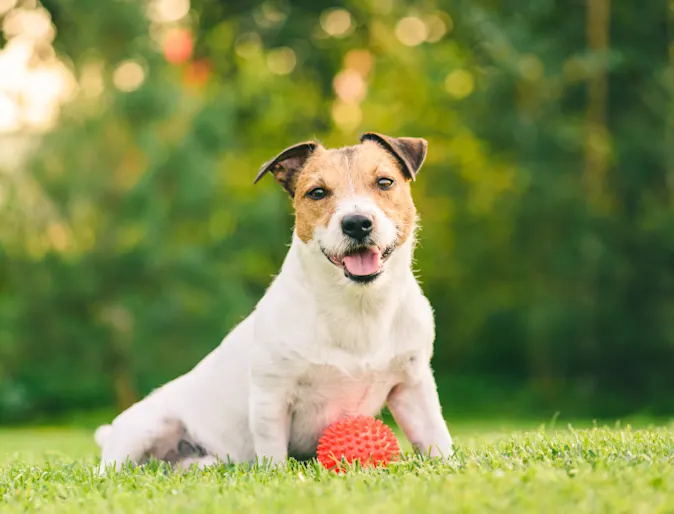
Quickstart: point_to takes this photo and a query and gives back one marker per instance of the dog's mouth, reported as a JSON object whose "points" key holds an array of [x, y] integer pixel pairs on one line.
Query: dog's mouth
{"points": [[362, 264]]}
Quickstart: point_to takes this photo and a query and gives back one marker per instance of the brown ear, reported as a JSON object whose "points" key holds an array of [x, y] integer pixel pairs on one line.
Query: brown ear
{"points": [[410, 152], [286, 166]]}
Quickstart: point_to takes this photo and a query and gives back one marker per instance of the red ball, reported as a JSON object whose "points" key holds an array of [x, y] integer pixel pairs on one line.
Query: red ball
{"points": [[357, 438]]}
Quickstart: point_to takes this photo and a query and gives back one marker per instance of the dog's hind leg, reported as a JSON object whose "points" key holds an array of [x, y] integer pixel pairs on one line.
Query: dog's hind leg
{"points": [[136, 443]]}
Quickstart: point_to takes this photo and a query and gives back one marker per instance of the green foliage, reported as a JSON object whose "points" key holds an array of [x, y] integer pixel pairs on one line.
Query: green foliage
{"points": [[591, 470], [134, 239]]}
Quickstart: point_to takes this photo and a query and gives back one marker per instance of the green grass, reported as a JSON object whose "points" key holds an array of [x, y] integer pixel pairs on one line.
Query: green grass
{"points": [[499, 469]]}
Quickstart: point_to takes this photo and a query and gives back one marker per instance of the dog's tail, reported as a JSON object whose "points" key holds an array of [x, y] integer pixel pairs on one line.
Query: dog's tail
{"points": [[102, 434]]}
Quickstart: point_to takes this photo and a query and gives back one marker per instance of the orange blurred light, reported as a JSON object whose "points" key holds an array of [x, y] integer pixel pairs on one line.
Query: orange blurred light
{"points": [[198, 73], [359, 60], [178, 46], [350, 86]]}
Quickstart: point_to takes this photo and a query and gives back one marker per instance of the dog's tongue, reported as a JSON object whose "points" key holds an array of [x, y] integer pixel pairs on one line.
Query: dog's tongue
{"points": [[365, 262]]}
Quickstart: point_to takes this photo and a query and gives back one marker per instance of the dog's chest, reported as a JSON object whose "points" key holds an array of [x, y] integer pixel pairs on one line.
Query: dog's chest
{"points": [[348, 386]]}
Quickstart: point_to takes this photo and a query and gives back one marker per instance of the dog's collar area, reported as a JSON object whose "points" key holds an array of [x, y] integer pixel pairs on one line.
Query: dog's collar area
{"points": [[360, 279]]}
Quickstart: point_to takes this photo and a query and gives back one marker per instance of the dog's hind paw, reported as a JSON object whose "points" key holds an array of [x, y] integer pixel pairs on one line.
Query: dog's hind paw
{"points": [[199, 462]]}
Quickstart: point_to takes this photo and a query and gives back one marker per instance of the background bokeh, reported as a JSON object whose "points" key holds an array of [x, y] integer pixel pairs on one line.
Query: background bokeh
{"points": [[132, 238]]}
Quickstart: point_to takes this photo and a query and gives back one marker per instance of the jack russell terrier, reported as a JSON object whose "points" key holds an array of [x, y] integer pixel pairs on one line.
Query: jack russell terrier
{"points": [[342, 330]]}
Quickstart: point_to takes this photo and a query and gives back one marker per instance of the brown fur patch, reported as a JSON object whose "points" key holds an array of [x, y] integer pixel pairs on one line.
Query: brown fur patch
{"points": [[350, 171]]}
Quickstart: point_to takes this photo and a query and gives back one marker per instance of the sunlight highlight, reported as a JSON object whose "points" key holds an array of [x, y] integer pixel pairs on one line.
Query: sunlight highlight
{"points": [[411, 31], [281, 61], [336, 22], [33, 81], [459, 84], [128, 76], [167, 11]]}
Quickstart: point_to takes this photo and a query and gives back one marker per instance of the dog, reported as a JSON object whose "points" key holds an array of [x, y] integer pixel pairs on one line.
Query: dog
{"points": [[343, 329]]}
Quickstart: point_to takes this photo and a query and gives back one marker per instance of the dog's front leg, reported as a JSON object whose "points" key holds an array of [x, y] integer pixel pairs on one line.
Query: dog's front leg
{"points": [[269, 422], [416, 408]]}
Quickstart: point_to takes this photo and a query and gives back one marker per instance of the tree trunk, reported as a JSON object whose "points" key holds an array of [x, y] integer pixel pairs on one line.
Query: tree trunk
{"points": [[596, 141]]}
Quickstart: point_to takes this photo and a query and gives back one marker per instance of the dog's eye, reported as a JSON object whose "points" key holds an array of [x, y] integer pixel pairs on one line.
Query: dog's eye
{"points": [[384, 183], [317, 193]]}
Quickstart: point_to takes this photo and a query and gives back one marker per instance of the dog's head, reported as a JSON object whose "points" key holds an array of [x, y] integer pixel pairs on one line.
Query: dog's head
{"points": [[352, 204]]}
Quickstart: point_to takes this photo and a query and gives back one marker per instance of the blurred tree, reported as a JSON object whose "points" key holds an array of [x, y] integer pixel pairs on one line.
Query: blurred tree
{"points": [[134, 238]]}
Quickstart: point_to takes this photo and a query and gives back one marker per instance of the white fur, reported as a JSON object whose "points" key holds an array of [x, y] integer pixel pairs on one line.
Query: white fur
{"points": [[316, 348]]}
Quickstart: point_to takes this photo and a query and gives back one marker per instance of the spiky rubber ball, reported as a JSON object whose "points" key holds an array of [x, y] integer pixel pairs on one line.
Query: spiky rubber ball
{"points": [[357, 438]]}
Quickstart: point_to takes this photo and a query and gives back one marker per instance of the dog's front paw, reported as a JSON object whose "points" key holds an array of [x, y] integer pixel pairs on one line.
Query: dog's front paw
{"points": [[443, 453]]}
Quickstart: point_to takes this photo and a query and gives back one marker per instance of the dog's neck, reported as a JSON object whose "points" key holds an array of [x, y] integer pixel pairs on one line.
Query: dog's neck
{"points": [[306, 264]]}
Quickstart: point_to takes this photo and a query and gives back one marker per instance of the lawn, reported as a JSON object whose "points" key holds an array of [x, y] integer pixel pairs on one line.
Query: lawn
{"points": [[497, 468]]}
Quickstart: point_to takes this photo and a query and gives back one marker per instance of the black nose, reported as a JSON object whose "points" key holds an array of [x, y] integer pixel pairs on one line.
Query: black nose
{"points": [[356, 226]]}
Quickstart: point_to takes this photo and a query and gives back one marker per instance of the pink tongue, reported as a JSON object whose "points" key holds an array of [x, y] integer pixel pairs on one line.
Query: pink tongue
{"points": [[365, 262]]}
